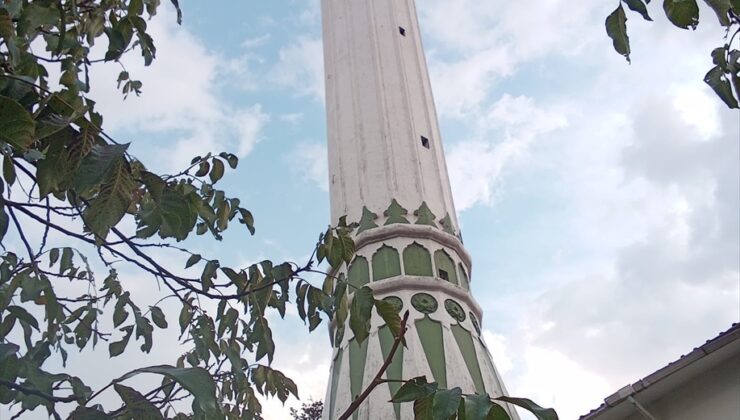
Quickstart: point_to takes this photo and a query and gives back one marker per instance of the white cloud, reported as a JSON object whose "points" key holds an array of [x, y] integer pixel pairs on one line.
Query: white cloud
{"points": [[181, 96], [506, 131], [301, 68], [310, 160]]}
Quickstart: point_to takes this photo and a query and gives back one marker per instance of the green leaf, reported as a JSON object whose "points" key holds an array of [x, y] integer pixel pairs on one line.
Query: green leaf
{"points": [[719, 57], [197, 381], [8, 170], [497, 412], [247, 219], [639, 7], [186, 315], [85, 413], [194, 259], [360, 313], [475, 407], [118, 347], [217, 172], [414, 389], [53, 256], [209, 272], [16, 124], [112, 202], [721, 9], [4, 223], [102, 161], [119, 313], [529, 405], [176, 3], [137, 406], [158, 317], [231, 159], [682, 13], [445, 403], [616, 28], [717, 80], [390, 315]]}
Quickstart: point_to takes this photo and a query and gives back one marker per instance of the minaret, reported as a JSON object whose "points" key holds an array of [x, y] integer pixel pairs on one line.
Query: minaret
{"points": [[387, 171]]}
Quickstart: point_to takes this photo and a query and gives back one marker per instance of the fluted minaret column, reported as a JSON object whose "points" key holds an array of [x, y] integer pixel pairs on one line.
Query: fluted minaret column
{"points": [[387, 171]]}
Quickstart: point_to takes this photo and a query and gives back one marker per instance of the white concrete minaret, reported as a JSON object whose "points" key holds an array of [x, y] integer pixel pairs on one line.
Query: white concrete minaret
{"points": [[387, 171]]}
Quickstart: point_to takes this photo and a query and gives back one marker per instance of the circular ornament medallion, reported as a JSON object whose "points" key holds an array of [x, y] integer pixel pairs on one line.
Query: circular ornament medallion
{"points": [[395, 301], [455, 310], [424, 303]]}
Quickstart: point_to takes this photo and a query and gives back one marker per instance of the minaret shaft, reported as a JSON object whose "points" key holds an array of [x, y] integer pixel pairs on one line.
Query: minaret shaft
{"points": [[379, 106], [387, 171]]}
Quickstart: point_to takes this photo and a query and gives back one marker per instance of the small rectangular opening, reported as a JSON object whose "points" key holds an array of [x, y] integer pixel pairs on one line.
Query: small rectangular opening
{"points": [[443, 275], [402, 31], [425, 142]]}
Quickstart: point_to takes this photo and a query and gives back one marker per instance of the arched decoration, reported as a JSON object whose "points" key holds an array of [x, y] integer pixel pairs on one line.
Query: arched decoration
{"points": [[424, 303], [455, 310], [424, 215], [367, 221], [417, 261], [445, 267], [467, 349], [359, 272], [432, 341], [395, 370], [386, 263], [464, 280], [357, 359], [335, 372]]}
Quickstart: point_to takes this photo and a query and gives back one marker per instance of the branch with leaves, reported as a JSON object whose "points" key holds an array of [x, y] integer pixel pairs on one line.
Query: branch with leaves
{"points": [[724, 76]]}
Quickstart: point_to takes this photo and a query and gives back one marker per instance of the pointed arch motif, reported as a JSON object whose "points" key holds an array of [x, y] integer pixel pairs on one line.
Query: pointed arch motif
{"points": [[417, 261], [386, 263], [446, 269], [359, 272]]}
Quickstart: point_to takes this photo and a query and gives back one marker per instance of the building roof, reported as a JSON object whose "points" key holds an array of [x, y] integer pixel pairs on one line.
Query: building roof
{"points": [[669, 377]]}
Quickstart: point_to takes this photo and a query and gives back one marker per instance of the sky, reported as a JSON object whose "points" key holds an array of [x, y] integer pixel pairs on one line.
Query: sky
{"points": [[600, 200]]}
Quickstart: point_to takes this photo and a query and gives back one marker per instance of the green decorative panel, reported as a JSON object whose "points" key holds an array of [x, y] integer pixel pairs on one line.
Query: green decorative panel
{"points": [[357, 358], [447, 224], [335, 375], [475, 322], [395, 370], [417, 261], [445, 266], [455, 310], [395, 213], [424, 303], [464, 280], [430, 335], [467, 348], [367, 221], [359, 272], [395, 301], [386, 263], [424, 215]]}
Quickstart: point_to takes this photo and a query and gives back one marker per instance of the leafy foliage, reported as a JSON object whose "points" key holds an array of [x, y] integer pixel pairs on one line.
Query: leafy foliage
{"points": [[311, 410], [724, 77], [433, 403]]}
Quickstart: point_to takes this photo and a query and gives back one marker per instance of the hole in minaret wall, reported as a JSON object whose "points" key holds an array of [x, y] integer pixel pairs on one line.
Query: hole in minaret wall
{"points": [[402, 31], [425, 142], [443, 275]]}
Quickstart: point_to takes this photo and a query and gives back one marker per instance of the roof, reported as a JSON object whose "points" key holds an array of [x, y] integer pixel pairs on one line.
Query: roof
{"points": [[666, 378]]}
